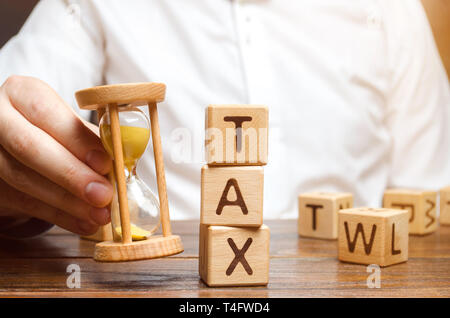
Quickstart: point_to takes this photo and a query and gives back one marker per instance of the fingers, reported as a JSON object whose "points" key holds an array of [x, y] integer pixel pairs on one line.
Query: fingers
{"points": [[36, 149], [42, 107], [26, 180], [14, 200]]}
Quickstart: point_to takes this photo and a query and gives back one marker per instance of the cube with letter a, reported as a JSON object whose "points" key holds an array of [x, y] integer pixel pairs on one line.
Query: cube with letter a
{"points": [[236, 134], [232, 256], [232, 196], [318, 213], [420, 204], [444, 216], [373, 236]]}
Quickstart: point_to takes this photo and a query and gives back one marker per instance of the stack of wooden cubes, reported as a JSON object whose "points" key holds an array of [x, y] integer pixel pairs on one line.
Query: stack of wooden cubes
{"points": [[234, 242]]}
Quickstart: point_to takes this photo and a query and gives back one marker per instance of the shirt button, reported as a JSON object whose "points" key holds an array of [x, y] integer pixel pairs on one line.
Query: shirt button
{"points": [[374, 20]]}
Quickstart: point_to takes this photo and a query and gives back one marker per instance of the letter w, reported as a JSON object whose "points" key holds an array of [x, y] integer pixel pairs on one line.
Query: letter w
{"points": [[360, 228]]}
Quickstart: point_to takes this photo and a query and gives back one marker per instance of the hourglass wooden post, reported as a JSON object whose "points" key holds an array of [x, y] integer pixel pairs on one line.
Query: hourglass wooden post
{"points": [[113, 97], [105, 232]]}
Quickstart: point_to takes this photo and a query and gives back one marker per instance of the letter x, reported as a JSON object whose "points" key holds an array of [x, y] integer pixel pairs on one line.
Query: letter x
{"points": [[239, 257]]}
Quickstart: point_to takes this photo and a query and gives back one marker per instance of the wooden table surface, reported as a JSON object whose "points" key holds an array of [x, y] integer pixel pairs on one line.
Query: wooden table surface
{"points": [[299, 267]]}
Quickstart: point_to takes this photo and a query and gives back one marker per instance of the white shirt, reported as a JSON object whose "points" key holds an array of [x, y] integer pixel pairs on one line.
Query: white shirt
{"points": [[358, 97]]}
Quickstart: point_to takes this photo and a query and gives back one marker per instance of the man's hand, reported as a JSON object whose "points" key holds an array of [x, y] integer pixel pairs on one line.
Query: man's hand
{"points": [[51, 163]]}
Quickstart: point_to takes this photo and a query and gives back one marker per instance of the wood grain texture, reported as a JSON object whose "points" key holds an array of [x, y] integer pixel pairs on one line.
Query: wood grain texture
{"points": [[232, 256], [299, 267], [153, 247], [420, 204], [318, 213], [136, 94], [232, 196], [373, 236], [236, 134], [444, 216]]}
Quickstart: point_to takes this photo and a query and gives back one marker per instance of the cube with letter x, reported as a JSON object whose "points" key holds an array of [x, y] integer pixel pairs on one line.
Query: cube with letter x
{"points": [[232, 256]]}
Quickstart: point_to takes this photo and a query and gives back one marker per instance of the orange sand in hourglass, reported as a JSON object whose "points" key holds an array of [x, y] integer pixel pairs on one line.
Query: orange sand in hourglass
{"points": [[134, 143]]}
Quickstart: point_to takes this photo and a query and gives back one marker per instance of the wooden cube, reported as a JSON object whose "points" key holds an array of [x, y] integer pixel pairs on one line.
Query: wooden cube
{"points": [[232, 256], [373, 236], [420, 204], [236, 134], [444, 216], [318, 213], [232, 196]]}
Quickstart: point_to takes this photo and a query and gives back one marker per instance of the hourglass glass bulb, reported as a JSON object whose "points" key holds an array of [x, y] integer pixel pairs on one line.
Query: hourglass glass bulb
{"points": [[143, 205]]}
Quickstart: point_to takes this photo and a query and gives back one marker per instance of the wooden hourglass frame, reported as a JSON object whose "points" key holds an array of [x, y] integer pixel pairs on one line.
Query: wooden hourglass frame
{"points": [[113, 97]]}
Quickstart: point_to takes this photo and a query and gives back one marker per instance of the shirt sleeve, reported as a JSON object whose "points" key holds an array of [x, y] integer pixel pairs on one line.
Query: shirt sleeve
{"points": [[61, 43], [418, 102]]}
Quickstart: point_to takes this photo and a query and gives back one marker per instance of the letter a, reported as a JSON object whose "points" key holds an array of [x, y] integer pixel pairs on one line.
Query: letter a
{"points": [[224, 199]]}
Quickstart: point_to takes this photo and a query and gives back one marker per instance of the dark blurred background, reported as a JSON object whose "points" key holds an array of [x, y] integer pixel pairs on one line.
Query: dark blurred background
{"points": [[13, 14]]}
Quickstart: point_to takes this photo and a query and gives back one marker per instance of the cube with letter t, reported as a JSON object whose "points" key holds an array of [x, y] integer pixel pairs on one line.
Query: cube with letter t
{"points": [[317, 213], [236, 134]]}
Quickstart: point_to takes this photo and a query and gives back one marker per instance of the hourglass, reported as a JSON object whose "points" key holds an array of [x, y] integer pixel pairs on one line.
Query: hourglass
{"points": [[135, 211]]}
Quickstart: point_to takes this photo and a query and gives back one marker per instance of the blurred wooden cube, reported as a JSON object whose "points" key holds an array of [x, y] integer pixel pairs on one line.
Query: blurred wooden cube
{"points": [[444, 216], [420, 204], [318, 213]]}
